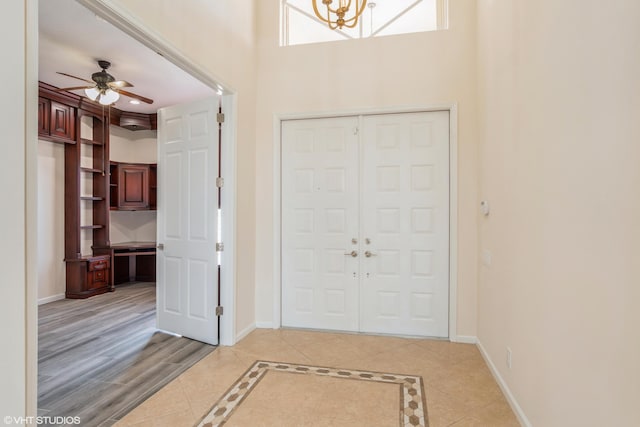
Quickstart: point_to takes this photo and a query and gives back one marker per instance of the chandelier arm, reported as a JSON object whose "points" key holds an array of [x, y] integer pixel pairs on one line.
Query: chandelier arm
{"points": [[364, 3], [329, 10], [317, 12], [354, 19], [349, 23], [333, 10], [332, 26]]}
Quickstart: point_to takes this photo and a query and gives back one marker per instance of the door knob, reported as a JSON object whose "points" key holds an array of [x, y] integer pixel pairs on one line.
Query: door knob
{"points": [[351, 254], [160, 246], [369, 254]]}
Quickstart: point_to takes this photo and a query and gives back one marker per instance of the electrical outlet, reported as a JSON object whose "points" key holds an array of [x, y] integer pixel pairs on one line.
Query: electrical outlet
{"points": [[486, 257], [508, 358]]}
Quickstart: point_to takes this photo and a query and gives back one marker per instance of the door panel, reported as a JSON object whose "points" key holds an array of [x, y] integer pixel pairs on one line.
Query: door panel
{"points": [[405, 206], [319, 217], [187, 220]]}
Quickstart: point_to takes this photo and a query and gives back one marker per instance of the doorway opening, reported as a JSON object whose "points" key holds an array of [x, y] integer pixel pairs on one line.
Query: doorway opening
{"points": [[123, 22]]}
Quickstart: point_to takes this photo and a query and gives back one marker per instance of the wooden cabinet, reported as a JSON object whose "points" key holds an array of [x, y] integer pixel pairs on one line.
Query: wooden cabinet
{"points": [[62, 122], [88, 276], [56, 121], [133, 186], [98, 273], [135, 121], [133, 190]]}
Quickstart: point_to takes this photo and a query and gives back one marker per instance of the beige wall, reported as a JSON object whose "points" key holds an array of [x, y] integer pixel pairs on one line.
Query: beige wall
{"points": [[559, 111], [219, 37], [398, 71], [51, 268], [129, 146], [13, 291]]}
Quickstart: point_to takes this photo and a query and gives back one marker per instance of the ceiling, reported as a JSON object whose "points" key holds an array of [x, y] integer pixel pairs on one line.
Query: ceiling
{"points": [[72, 39]]}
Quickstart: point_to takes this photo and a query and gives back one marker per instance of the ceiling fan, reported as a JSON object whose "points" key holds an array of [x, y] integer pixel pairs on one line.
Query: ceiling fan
{"points": [[104, 88]]}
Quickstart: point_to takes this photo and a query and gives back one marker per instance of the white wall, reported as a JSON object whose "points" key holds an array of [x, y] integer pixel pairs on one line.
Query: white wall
{"points": [[127, 146], [559, 112], [51, 267], [405, 70], [13, 184]]}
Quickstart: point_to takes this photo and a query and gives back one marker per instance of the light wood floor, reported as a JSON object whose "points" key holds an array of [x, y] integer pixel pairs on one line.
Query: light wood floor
{"points": [[101, 357]]}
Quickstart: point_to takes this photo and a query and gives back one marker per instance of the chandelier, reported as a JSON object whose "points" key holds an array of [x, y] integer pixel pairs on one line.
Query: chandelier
{"points": [[336, 17]]}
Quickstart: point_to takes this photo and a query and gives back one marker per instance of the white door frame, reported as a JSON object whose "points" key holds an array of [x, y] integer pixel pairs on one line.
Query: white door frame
{"points": [[453, 198]]}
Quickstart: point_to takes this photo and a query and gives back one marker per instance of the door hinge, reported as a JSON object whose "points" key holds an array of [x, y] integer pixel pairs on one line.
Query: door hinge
{"points": [[219, 247], [355, 131], [220, 118], [219, 310], [219, 182]]}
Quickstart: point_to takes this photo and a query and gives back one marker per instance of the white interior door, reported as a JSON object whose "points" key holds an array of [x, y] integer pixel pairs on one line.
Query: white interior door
{"points": [[187, 279], [319, 221], [382, 193], [405, 224]]}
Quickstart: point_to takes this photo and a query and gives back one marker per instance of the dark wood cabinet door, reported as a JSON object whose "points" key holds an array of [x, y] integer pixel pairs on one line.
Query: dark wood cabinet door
{"points": [[133, 187], [44, 109], [62, 121]]}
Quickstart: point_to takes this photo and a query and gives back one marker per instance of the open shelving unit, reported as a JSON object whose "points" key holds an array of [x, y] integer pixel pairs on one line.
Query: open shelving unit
{"points": [[87, 207]]}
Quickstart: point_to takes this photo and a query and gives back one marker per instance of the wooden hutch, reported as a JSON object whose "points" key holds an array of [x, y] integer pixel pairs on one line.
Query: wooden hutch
{"points": [[91, 188]]}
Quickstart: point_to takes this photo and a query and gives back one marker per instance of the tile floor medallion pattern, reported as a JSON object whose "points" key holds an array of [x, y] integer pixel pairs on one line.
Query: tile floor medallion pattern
{"points": [[412, 407]]}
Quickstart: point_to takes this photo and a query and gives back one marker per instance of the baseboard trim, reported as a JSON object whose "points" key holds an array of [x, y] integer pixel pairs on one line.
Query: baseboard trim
{"points": [[522, 418], [463, 339], [52, 298], [246, 331], [265, 325]]}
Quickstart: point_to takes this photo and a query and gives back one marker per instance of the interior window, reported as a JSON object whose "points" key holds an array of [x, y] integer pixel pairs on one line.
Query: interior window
{"points": [[300, 25]]}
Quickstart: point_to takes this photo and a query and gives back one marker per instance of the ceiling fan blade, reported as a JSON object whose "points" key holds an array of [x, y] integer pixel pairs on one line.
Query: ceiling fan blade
{"points": [[134, 96], [74, 77], [119, 83], [73, 88]]}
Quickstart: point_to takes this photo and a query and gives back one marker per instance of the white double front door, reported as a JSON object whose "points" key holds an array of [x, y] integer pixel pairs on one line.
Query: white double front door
{"points": [[365, 223]]}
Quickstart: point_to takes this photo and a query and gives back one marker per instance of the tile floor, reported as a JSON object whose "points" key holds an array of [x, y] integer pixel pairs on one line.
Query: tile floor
{"points": [[460, 390]]}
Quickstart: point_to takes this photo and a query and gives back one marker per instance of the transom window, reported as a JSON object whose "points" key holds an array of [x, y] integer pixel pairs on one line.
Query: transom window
{"points": [[299, 24]]}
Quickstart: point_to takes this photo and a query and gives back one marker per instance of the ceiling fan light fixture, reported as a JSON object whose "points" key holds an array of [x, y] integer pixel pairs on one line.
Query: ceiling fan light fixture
{"points": [[92, 93], [105, 88], [109, 97]]}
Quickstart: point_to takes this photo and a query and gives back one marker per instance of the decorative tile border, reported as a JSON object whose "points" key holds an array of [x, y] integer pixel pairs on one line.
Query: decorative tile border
{"points": [[412, 405]]}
